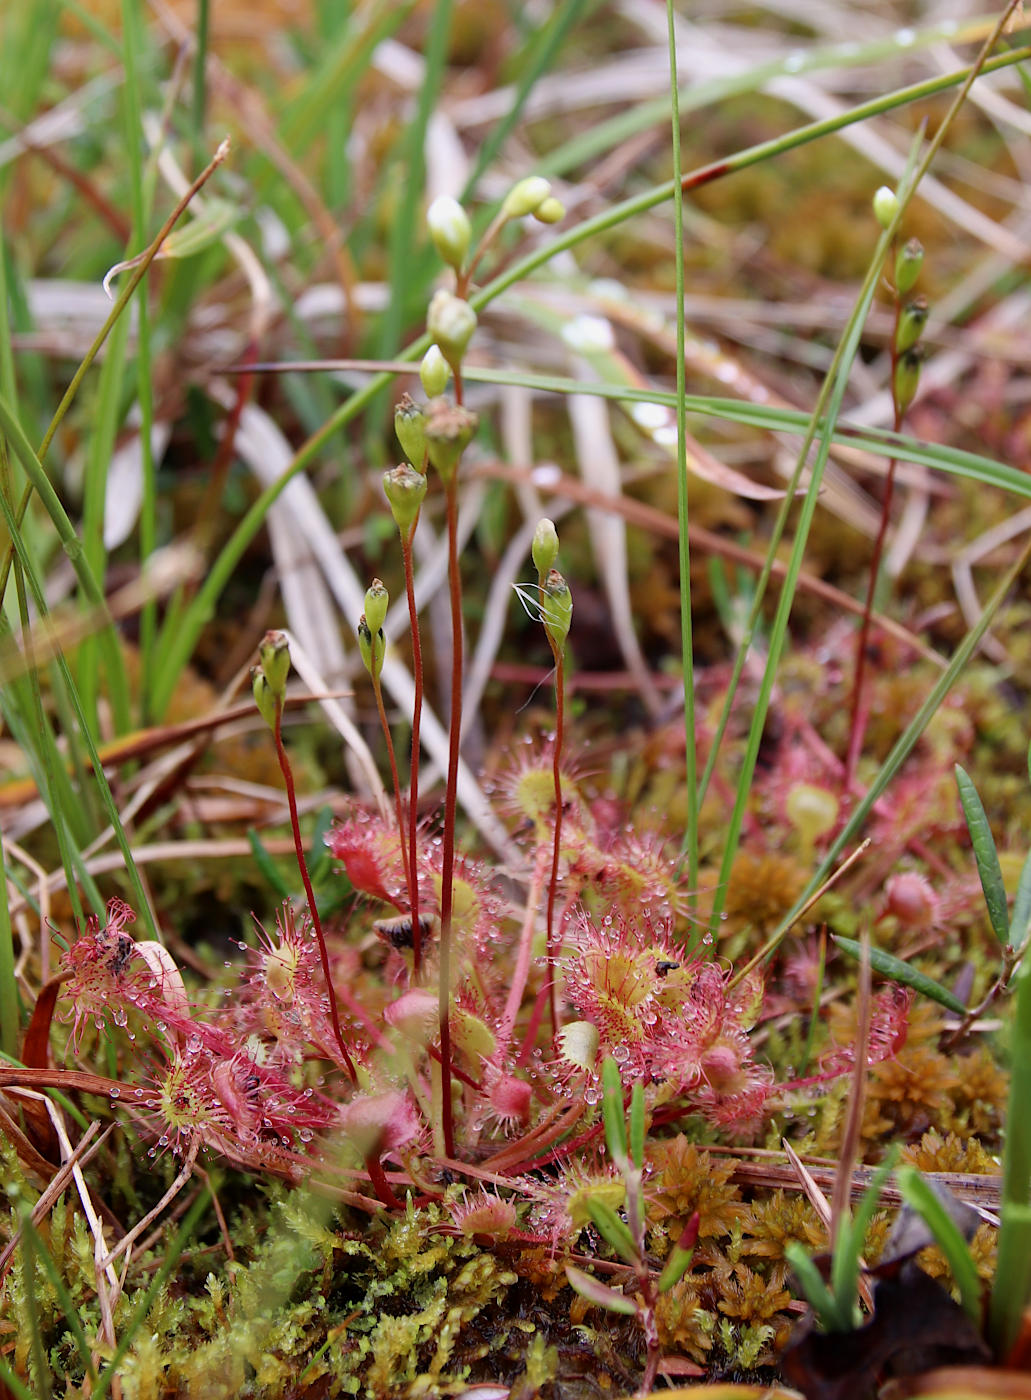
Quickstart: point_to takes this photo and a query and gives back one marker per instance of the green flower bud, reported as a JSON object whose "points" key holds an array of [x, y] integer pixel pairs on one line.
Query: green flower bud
{"points": [[451, 322], [545, 546], [263, 696], [526, 197], [907, 265], [557, 608], [371, 653], [434, 371], [550, 211], [449, 430], [912, 320], [811, 810], [449, 228], [885, 206], [907, 378], [410, 427], [405, 491], [377, 600], [274, 654]]}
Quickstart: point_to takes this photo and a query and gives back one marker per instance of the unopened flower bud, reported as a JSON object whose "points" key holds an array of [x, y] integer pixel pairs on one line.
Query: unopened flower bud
{"points": [[274, 653], [450, 322], [526, 197], [550, 211], [434, 371], [557, 608], [811, 810], [577, 1043], [885, 206], [912, 320], [410, 427], [907, 265], [405, 490], [907, 378], [911, 899], [263, 696], [449, 228], [545, 546], [449, 430], [377, 600], [371, 652]]}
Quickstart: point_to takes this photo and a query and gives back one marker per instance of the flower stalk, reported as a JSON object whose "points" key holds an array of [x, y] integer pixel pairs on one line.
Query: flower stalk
{"points": [[269, 685]]}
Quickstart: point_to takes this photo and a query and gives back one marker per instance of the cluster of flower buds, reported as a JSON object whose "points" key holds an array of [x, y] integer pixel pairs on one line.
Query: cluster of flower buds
{"points": [[268, 678], [909, 326], [372, 643], [912, 315], [451, 321]]}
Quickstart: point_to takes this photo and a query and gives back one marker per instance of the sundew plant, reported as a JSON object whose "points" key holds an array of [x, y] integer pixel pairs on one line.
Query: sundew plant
{"points": [[512, 525]]}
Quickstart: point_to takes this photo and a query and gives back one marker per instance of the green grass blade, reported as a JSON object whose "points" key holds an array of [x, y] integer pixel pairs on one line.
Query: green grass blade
{"points": [[917, 1191], [64, 1298], [161, 1276], [132, 103], [817, 1294], [848, 1247], [987, 856], [969, 466], [17, 1387], [828, 404], [889, 768], [1021, 917], [898, 971], [37, 1349], [406, 222], [56, 766], [10, 1003], [267, 868], [612, 1111], [1011, 1290], [636, 1122], [545, 47], [203, 604], [689, 846]]}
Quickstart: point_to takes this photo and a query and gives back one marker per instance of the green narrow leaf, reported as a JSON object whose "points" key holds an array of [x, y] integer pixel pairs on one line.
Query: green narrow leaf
{"points": [[267, 867], [899, 971], [17, 1388], [612, 1110], [817, 1294], [64, 1298], [139, 1314], [600, 1293], [1021, 917], [613, 1229], [986, 855], [918, 1192], [637, 1126], [681, 1256], [849, 1245], [217, 217], [1012, 1287]]}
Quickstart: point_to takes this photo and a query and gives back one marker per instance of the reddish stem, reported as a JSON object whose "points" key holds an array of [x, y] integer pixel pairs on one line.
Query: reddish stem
{"points": [[380, 1184], [556, 757], [291, 797], [413, 787], [406, 856], [450, 809]]}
